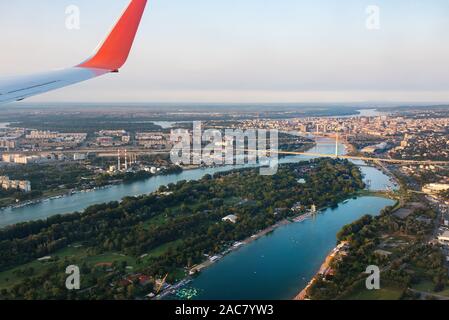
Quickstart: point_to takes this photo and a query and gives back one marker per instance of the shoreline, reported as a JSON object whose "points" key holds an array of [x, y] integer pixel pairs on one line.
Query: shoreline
{"points": [[58, 195], [196, 269], [70, 192], [193, 271], [300, 218], [302, 295], [323, 270]]}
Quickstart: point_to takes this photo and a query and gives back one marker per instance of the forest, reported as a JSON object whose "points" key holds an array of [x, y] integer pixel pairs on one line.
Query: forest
{"points": [[166, 232], [412, 260]]}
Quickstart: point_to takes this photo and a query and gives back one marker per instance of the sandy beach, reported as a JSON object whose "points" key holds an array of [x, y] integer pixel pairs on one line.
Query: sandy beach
{"points": [[324, 269]]}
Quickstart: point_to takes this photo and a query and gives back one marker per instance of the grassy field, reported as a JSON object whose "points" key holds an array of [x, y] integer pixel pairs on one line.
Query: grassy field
{"points": [[78, 255], [425, 286], [386, 292], [157, 252], [428, 286], [155, 222], [110, 257], [9, 278], [81, 255]]}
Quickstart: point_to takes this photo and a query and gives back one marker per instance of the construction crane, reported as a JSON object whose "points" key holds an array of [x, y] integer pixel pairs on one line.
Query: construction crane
{"points": [[161, 284]]}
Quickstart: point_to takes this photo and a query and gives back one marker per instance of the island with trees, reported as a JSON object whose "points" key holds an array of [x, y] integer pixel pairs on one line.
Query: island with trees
{"points": [[124, 249]]}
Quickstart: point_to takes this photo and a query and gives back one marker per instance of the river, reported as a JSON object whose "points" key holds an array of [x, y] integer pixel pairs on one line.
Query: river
{"points": [[280, 264], [276, 266], [80, 201]]}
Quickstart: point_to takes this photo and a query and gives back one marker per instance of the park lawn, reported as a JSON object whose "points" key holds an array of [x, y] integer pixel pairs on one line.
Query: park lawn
{"points": [[425, 286], [155, 221], [385, 293], [8, 279], [178, 275], [232, 200], [428, 286], [419, 272], [159, 251], [73, 252], [161, 219], [80, 254], [110, 257], [445, 292]]}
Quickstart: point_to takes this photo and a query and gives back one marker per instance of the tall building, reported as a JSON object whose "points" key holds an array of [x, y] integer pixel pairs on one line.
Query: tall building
{"points": [[7, 184]]}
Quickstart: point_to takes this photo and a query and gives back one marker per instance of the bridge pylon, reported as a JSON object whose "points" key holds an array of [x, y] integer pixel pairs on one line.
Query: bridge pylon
{"points": [[336, 144]]}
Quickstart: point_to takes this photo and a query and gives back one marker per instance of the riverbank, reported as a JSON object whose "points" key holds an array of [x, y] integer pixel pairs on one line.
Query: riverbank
{"points": [[324, 269], [337, 250], [66, 193], [55, 195], [195, 270], [273, 267], [352, 151], [276, 265], [171, 290]]}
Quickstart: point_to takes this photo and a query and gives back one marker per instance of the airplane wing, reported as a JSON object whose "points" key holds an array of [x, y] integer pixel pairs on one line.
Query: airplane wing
{"points": [[110, 57]]}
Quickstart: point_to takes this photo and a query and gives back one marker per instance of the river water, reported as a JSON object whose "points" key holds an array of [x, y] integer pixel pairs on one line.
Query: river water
{"points": [[80, 201], [276, 266], [280, 264]]}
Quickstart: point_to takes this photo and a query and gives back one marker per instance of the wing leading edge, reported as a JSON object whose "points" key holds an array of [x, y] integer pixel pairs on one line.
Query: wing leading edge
{"points": [[110, 57]]}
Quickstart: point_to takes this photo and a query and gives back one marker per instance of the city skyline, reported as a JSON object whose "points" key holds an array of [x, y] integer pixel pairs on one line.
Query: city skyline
{"points": [[195, 228]]}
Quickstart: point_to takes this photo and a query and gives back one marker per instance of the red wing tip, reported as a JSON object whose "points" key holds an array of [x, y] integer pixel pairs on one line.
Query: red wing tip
{"points": [[114, 52]]}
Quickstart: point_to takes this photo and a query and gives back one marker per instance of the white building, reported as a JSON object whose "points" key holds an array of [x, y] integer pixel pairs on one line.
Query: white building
{"points": [[41, 135], [8, 184], [8, 157], [378, 147], [444, 238], [29, 159], [434, 188], [231, 218], [25, 185], [79, 156]]}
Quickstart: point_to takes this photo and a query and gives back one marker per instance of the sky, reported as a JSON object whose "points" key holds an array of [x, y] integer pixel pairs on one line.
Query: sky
{"points": [[241, 50]]}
